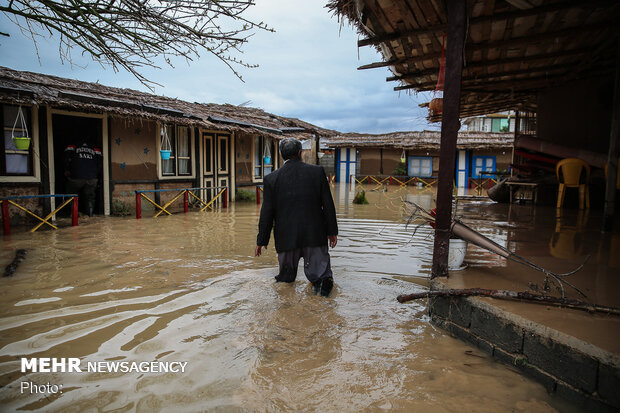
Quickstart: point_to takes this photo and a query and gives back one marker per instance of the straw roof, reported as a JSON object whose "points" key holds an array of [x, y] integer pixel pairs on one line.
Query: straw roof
{"points": [[421, 140], [513, 48], [18, 87]]}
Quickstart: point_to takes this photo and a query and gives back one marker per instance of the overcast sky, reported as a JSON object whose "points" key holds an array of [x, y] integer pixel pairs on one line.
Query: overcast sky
{"points": [[307, 70]]}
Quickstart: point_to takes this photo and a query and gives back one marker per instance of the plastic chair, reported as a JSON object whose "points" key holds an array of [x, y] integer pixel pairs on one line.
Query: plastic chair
{"points": [[573, 173]]}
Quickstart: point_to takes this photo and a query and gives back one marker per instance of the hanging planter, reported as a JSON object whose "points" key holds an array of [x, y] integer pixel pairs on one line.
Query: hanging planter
{"points": [[267, 154], [403, 156], [20, 135], [165, 147], [436, 104]]}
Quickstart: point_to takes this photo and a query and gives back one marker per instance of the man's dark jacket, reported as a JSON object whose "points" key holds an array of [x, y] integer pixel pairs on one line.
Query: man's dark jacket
{"points": [[298, 199]]}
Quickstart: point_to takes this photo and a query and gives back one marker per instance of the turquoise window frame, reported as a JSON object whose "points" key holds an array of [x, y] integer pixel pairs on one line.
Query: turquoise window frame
{"points": [[409, 168], [484, 162]]}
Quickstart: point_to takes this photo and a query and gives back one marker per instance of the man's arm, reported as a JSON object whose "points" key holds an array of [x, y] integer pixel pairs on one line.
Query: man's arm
{"points": [[329, 210], [265, 223]]}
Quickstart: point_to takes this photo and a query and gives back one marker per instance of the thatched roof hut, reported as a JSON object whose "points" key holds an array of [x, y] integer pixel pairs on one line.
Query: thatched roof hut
{"points": [[19, 87], [513, 48], [421, 140]]}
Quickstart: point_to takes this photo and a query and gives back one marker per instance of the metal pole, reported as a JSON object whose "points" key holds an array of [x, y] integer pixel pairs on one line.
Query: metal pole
{"points": [[6, 221], [185, 202], [225, 199], [74, 212], [449, 129], [138, 205], [257, 195]]}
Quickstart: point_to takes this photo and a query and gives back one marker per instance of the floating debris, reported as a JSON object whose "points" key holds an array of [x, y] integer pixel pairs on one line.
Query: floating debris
{"points": [[464, 232], [10, 269]]}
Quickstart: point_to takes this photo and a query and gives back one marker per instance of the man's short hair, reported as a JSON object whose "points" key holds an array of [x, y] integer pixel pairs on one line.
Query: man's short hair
{"points": [[289, 148]]}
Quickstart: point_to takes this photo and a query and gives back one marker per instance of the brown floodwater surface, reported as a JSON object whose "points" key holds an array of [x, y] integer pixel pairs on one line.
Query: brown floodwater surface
{"points": [[186, 288]]}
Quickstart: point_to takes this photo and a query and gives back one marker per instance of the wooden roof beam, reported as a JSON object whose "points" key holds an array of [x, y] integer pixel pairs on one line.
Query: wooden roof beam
{"points": [[571, 31], [483, 19], [467, 69], [484, 63], [481, 84]]}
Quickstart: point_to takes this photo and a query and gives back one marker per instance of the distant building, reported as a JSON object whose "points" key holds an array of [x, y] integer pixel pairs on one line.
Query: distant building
{"points": [[495, 122], [480, 154]]}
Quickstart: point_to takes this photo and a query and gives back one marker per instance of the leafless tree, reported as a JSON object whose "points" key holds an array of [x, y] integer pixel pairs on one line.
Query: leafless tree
{"points": [[133, 34]]}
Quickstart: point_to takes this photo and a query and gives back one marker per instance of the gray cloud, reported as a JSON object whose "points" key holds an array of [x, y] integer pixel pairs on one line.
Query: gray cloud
{"points": [[308, 70]]}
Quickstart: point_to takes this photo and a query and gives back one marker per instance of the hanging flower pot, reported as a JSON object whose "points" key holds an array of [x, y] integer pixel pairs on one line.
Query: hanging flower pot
{"points": [[165, 147], [22, 143], [436, 105], [403, 157], [21, 140], [267, 153]]}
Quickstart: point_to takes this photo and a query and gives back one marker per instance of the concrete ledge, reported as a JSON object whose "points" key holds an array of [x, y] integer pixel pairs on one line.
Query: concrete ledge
{"points": [[575, 370]]}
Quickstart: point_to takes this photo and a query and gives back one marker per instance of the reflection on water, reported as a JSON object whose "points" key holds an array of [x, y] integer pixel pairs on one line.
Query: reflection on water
{"points": [[186, 288], [567, 239]]}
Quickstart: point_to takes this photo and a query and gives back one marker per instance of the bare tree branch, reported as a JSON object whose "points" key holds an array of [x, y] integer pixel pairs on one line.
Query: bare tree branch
{"points": [[132, 34]]}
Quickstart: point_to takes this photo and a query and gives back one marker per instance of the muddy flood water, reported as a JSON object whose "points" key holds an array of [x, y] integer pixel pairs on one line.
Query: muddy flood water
{"points": [[186, 288]]}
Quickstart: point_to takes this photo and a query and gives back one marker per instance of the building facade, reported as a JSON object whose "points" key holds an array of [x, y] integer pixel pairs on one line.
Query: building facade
{"points": [[211, 146], [481, 155]]}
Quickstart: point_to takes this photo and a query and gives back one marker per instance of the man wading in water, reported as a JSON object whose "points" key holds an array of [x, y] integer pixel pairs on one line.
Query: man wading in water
{"points": [[298, 199]]}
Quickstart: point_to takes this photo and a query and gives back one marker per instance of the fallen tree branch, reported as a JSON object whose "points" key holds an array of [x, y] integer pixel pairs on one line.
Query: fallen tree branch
{"points": [[512, 295]]}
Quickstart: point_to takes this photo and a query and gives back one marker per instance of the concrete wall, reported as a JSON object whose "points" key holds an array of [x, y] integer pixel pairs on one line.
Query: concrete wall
{"points": [[130, 139], [328, 162], [370, 161], [18, 216], [589, 382], [391, 159]]}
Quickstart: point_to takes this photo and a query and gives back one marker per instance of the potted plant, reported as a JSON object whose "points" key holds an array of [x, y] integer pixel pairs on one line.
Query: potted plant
{"points": [[267, 155], [166, 147], [20, 137]]}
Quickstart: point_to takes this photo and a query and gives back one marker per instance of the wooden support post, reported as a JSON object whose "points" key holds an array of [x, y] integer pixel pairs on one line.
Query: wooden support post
{"points": [[257, 195], [74, 211], [6, 220], [449, 128], [138, 205], [612, 154], [225, 198], [186, 201]]}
